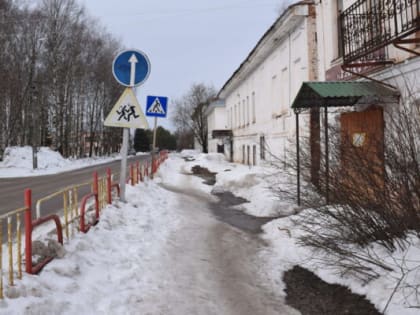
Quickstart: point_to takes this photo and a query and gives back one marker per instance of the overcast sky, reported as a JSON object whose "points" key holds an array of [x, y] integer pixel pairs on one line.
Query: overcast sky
{"points": [[187, 41]]}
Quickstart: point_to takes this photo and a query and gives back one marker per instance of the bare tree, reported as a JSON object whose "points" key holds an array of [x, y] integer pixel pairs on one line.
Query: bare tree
{"points": [[189, 113], [54, 90]]}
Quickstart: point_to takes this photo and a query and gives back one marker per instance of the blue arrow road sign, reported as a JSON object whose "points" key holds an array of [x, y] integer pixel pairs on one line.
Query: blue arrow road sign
{"points": [[131, 67], [156, 106]]}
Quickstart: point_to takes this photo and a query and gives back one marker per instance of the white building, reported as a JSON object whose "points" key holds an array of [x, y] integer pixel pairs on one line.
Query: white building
{"points": [[258, 95]]}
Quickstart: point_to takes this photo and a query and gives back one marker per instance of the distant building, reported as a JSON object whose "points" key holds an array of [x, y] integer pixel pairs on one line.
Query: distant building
{"points": [[219, 136]]}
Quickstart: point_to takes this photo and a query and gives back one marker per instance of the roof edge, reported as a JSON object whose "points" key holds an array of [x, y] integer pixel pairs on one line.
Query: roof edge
{"points": [[261, 40]]}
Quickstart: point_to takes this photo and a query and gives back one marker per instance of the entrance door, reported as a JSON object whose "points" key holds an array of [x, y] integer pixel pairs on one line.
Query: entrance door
{"points": [[362, 150]]}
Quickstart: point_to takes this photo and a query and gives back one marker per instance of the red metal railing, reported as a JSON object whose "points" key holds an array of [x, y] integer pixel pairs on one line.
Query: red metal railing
{"points": [[101, 193], [94, 194]]}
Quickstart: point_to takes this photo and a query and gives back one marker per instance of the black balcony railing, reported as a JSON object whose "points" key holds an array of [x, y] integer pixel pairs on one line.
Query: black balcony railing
{"points": [[368, 25]]}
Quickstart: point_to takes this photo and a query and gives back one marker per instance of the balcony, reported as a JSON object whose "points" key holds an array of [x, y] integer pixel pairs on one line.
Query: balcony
{"points": [[369, 25]]}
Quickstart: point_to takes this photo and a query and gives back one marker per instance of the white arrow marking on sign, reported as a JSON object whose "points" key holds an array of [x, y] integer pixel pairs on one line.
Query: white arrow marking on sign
{"points": [[133, 60], [156, 107]]}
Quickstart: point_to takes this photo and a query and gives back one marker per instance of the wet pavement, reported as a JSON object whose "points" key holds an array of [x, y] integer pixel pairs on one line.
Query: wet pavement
{"points": [[305, 291], [223, 211], [215, 268], [312, 296]]}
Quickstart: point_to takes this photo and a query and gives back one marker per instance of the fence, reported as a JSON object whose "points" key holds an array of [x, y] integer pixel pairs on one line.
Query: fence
{"points": [[74, 218]]}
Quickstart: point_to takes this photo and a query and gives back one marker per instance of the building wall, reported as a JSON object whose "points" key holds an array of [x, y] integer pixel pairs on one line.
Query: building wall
{"points": [[404, 73], [258, 107], [327, 26]]}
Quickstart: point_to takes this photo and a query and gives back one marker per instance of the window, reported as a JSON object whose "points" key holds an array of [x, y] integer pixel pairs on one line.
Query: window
{"points": [[247, 110], [239, 114], [284, 89], [243, 112], [262, 147], [253, 108], [339, 31], [235, 113]]}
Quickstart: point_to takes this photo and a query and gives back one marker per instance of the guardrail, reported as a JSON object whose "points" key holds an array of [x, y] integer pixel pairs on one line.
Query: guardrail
{"points": [[9, 218], [29, 228], [102, 191], [95, 195]]}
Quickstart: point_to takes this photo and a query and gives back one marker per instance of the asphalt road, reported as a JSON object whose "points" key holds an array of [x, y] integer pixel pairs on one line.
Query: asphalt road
{"points": [[12, 189]]}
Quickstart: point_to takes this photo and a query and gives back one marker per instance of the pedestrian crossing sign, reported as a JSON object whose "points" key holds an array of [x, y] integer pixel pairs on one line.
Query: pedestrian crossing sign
{"points": [[127, 112], [156, 106]]}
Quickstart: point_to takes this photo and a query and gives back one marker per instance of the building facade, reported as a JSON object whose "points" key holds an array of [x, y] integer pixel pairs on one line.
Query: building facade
{"points": [[257, 97], [377, 39], [372, 41], [330, 41], [369, 68]]}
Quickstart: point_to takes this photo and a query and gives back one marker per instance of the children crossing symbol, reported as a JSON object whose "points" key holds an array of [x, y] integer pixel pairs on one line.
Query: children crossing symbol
{"points": [[127, 112]]}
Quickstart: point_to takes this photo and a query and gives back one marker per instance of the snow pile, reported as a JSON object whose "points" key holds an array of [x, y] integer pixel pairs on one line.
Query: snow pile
{"points": [[120, 252], [189, 153], [21, 157], [17, 162], [254, 183], [126, 250], [284, 233]]}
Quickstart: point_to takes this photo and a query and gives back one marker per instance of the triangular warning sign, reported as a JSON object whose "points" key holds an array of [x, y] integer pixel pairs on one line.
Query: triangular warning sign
{"points": [[156, 107], [127, 112]]}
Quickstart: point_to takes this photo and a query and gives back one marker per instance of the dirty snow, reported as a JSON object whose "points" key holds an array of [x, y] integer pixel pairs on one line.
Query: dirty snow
{"points": [[114, 268]]}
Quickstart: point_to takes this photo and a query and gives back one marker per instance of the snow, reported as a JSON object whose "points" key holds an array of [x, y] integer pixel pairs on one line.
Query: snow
{"points": [[17, 162], [123, 265]]}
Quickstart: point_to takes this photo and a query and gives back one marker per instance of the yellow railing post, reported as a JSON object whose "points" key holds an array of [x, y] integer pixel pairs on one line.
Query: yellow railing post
{"points": [[1, 259], [76, 206], [66, 213], [10, 247], [19, 245], [71, 207], [103, 192], [100, 193]]}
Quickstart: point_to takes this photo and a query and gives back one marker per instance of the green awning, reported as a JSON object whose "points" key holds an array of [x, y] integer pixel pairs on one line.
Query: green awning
{"points": [[341, 93]]}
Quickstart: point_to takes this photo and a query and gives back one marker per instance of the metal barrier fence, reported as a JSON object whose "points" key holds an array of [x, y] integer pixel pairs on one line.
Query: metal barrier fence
{"points": [[74, 218], [8, 217]]}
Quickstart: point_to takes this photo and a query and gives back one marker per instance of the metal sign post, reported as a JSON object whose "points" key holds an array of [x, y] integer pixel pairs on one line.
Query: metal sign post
{"points": [[154, 147], [130, 68], [123, 174], [156, 106]]}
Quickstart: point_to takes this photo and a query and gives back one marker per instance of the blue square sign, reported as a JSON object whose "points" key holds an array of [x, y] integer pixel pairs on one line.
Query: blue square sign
{"points": [[156, 106]]}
